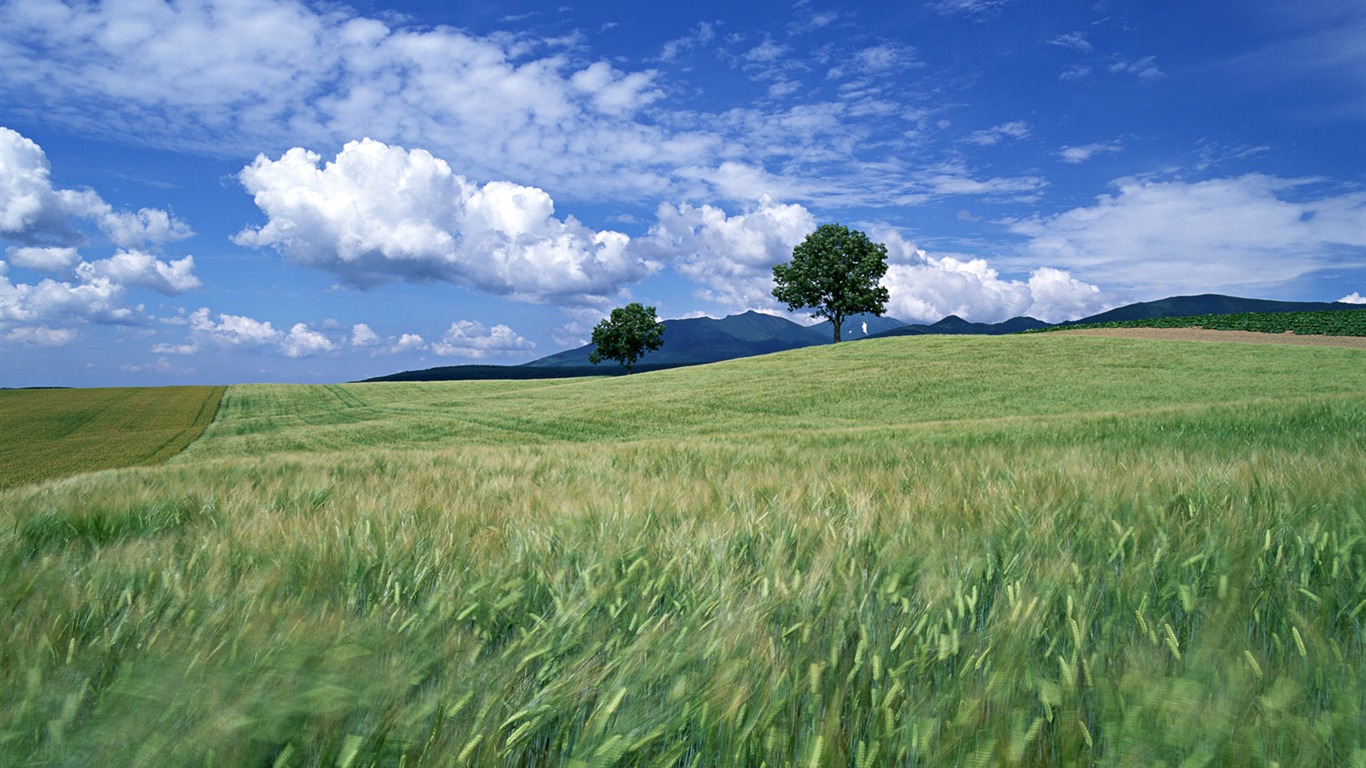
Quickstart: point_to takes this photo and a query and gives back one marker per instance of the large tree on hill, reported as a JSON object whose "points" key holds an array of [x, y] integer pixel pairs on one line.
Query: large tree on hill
{"points": [[627, 335], [835, 272]]}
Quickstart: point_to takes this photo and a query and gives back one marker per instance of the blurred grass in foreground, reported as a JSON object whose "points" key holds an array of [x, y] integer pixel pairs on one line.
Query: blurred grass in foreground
{"points": [[1012, 551]]}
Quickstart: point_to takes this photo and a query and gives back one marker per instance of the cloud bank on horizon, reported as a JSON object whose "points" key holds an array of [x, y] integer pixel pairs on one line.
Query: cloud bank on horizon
{"points": [[364, 191]]}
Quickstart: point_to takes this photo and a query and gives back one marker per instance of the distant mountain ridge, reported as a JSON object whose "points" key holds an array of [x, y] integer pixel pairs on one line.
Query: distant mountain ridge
{"points": [[697, 340], [1207, 304], [694, 341]]}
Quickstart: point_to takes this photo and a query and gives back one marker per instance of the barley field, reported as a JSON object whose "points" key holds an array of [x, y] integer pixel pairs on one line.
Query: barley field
{"points": [[51, 433], [953, 551]]}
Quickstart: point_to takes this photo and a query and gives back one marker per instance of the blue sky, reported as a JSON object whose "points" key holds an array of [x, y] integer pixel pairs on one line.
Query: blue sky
{"points": [[220, 191]]}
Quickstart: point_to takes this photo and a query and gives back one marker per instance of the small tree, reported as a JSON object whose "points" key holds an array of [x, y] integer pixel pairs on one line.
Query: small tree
{"points": [[627, 335], [834, 272]]}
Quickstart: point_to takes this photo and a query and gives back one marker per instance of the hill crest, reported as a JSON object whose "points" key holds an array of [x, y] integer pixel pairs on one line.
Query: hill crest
{"points": [[699, 340]]}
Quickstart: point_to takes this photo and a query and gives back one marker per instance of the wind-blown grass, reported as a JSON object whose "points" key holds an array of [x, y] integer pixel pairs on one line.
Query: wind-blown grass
{"points": [[863, 555]]}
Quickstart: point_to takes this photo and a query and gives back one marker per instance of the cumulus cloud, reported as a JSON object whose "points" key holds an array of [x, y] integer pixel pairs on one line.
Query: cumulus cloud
{"points": [[29, 207], [364, 337], [55, 303], [1152, 238], [730, 257], [239, 332], [408, 342], [301, 341], [1354, 297], [143, 269], [466, 338], [33, 212], [378, 213], [49, 224], [231, 331], [52, 260], [929, 288]]}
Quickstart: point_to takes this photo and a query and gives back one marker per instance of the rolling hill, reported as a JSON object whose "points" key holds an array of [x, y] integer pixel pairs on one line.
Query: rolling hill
{"points": [[694, 341]]}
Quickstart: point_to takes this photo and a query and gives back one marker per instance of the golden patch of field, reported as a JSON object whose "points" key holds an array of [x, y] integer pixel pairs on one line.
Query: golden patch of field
{"points": [[51, 433], [1206, 334]]}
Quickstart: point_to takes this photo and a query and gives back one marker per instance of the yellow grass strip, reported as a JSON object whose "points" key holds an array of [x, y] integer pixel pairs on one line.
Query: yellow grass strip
{"points": [[52, 433]]}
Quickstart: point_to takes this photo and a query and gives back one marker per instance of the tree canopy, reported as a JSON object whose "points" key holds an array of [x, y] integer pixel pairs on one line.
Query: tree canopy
{"points": [[627, 335], [835, 272]]}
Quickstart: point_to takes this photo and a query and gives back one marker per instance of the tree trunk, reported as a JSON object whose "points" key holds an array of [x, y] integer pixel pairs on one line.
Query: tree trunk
{"points": [[837, 321]]}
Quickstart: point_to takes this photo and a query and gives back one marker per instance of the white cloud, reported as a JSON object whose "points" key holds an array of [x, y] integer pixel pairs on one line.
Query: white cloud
{"points": [[143, 269], [953, 179], [149, 226], [363, 335], [613, 92], [1354, 297], [303, 342], [235, 75], [1075, 72], [29, 206], [731, 257], [408, 342], [54, 302], [702, 35], [1075, 40], [1158, 237], [765, 52], [967, 7], [466, 338], [49, 223], [230, 77], [42, 337], [33, 211], [377, 213], [1144, 69], [162, 365], [1017, 129], [929, 288], [227, 332], [1079, 155], [52, 260], [883, 58]]}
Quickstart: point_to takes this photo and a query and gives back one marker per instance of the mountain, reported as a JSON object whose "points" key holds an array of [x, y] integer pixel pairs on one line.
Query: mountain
{"points": [[954, 324], [502, 372], [860, 326], [706, 340], [1206, 304]]}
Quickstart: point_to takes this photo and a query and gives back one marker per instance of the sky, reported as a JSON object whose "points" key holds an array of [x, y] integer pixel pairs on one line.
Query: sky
{"points": [[225, 191]]}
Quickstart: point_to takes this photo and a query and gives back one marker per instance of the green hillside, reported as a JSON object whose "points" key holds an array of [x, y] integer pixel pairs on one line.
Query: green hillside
{"points": [[1028, 550]]}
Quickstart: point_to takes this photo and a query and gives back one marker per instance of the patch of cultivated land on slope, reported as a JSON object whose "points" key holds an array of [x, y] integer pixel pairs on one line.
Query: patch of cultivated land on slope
{"points": [[51, 433], [1204, 334]]}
